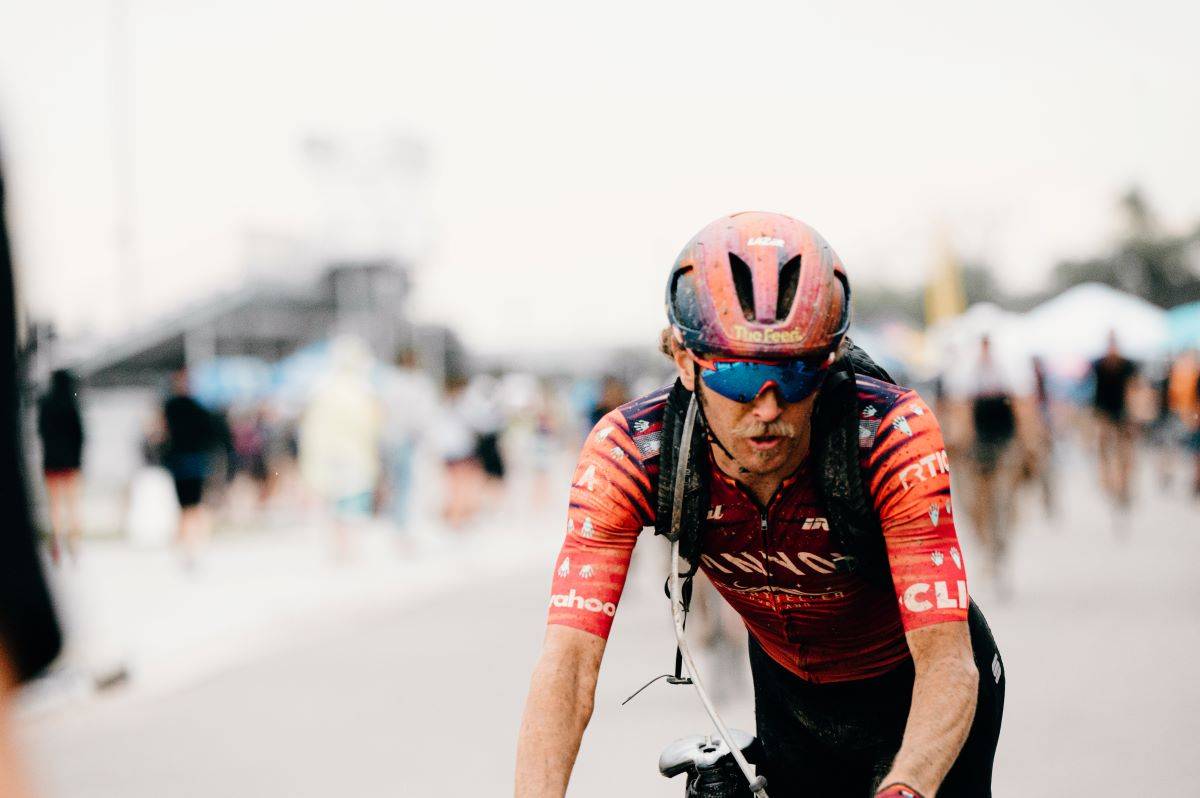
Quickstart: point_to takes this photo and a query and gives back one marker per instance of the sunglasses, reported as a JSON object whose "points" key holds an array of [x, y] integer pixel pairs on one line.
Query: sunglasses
{"points": [[744, 380]]}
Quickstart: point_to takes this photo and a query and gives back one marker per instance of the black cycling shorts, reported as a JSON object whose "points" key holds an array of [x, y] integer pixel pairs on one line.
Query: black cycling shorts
{"points": [[835, 740], [487, 449], [189, 491]]}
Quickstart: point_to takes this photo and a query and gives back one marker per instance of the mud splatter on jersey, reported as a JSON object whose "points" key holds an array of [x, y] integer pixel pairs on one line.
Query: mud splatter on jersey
{"points": [[776, 565]]}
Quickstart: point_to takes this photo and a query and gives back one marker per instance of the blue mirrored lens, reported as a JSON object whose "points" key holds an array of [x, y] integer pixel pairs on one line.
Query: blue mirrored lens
{"points": [[742, 380]]}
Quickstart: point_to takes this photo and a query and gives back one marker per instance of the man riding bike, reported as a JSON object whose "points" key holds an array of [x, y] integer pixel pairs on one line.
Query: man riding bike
{"points": [[873, 670]]}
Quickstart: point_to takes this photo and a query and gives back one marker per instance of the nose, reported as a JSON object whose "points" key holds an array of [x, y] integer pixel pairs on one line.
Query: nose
{"points": [[767, 406]]}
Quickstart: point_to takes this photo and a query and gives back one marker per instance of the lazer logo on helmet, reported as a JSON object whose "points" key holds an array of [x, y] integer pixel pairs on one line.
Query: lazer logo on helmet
{"points": [[744, 333], [572, 599], [765, 241]]}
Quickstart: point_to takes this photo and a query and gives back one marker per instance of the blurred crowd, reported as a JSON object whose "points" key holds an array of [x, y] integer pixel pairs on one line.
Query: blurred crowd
{"points": [[361, 442], [1008, 426], [368, 441]]}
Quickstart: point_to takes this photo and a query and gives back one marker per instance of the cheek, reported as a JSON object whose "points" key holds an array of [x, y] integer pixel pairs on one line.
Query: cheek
{"points": [[799, 415], [724, 413]]}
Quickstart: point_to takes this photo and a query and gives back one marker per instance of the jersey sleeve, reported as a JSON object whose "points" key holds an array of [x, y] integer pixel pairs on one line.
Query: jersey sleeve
{"points": [[610, 503], [909, 477]]}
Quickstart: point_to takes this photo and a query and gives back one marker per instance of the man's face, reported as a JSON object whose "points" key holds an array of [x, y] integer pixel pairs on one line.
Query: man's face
{"points": [[766, 436]]}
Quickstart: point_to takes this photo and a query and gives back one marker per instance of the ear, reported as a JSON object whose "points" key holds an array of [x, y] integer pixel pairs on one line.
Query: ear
{"points": [[686, 368]]}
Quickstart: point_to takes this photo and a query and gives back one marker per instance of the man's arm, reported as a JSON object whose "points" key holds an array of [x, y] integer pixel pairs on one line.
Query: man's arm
{"points": [[610, 504], [557, 711], [943, 706]]}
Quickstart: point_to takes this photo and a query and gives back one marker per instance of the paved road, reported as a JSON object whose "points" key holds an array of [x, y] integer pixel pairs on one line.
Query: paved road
{"points": [[1100, 641]]}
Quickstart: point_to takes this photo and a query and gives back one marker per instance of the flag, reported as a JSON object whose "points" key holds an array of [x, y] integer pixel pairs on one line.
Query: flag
{"points": [[944, 294]]}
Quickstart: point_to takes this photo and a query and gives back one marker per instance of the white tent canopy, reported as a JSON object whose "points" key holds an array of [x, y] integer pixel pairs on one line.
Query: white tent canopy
{"points": [[1073, 327], [954, 345]]}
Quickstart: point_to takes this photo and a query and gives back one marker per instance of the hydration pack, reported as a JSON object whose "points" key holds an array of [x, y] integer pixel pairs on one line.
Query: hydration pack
{"points": [[853, 522]]}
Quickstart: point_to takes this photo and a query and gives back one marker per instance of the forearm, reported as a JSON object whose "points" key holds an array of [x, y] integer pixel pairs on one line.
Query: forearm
{"points": [[943, 707], [556, 713]]}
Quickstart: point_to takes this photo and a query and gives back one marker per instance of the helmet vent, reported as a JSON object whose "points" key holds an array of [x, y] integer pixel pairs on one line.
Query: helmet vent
{"points": [[789, 280], [684, 300], [743, 284]]}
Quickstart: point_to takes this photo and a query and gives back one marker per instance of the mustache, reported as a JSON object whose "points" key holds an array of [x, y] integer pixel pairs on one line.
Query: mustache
{"points": [[753, 428]]}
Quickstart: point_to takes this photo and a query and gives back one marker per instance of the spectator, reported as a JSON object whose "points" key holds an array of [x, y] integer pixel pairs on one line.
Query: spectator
{"points": [[544, 444], [1114, 375], [191, 439], [456, 445], [339, 441], [613, 394], [995, 457], [251, 441], [408, 408], [60, 425], [1040, 457], [1193, 421], [479, 407]]}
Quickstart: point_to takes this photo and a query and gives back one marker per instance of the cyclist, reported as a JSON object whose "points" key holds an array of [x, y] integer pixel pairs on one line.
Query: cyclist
{"points": [[1115, 376], [861, 683], [1002, 425]]}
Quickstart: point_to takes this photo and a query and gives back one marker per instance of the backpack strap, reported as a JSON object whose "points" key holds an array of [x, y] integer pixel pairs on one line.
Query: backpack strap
{"points": [[681, 493], [852, 518], [680, 510]]}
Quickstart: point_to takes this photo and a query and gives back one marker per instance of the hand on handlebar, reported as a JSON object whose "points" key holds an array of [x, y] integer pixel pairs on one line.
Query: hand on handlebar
{"points": [[898, 791]]}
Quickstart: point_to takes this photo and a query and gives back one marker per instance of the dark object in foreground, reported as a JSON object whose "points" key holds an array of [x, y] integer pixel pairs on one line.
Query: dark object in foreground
{"points": [[29, 633]]}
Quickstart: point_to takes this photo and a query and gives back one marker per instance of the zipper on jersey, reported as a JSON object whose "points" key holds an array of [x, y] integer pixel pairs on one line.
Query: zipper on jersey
{"points": [[766, 544]]}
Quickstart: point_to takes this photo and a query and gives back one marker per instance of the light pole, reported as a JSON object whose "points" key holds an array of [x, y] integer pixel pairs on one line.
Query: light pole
{"points": [[123, 158]]}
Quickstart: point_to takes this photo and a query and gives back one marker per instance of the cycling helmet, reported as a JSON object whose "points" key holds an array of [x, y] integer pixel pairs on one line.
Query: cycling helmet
{"points": [[758, 285]]}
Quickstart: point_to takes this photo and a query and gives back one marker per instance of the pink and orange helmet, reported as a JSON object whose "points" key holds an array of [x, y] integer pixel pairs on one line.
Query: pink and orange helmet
{"points": [[759, 285]]}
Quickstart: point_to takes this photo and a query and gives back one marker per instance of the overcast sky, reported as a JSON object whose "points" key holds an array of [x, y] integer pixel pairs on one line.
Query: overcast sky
{"points": [[576, 148]]}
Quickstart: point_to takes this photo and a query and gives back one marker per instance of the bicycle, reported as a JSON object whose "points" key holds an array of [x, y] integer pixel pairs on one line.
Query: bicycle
{"points": [[715, 769], [712, 771]]}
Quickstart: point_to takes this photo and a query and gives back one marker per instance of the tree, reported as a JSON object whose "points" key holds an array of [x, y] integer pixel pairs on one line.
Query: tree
{"points": [[1146, 261], [979, 284]]}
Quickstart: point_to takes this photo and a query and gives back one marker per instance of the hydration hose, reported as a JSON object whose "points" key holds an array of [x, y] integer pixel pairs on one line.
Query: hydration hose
{"points": [[758, 784]]}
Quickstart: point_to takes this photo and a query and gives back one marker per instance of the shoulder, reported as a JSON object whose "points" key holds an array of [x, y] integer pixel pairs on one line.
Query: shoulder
{"points": [[888, 411], [614, 479], [641, 420], [877, 393], [878, 400], [624, 446]]}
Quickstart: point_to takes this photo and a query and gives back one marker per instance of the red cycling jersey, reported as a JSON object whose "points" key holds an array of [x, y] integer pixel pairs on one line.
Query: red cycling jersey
{"points": [[776, 564]]}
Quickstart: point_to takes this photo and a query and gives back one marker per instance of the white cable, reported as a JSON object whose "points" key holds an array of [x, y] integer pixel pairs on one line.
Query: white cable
{"points": [[757, 783], [681, 640]]}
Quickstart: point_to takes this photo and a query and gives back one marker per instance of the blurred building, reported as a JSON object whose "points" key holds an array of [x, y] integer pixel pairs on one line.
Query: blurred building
{"points": [[123, 379], [263, 320]]}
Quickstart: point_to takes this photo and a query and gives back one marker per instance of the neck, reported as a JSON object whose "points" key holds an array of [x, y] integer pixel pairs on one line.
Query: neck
{"points": [[762, 485]]}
